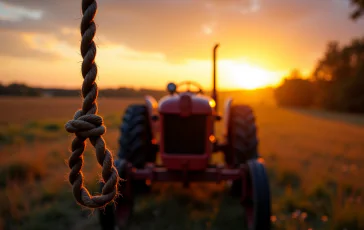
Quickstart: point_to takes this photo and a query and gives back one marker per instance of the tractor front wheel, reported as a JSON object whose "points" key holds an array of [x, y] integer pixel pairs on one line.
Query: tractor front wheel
{"points": [[136, 147], [257, 200]]}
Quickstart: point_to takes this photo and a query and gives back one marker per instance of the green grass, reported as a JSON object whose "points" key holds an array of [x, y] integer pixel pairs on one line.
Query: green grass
{"points": [[314, 165], [43, 130]]}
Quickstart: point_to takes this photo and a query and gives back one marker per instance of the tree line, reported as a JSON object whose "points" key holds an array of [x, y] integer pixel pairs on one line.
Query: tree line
{"points": [[337, 81], [16, 89]]}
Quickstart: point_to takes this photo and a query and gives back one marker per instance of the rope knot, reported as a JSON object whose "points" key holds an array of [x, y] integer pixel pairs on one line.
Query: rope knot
{"points": [[86, 126]]}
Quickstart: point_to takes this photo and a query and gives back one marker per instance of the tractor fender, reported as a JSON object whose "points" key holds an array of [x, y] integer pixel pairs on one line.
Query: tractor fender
{"points": [[152, 107], [226, 115]]}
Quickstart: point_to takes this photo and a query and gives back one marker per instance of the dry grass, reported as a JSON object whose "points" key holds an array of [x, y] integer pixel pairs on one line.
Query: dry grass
{"points": [[20, 110], [315, 165]]}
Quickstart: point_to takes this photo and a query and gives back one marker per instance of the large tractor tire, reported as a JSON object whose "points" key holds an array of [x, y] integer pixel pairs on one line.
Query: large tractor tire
{"points": [[243, 149], [136, 147], [242, 139], [136, 137]]}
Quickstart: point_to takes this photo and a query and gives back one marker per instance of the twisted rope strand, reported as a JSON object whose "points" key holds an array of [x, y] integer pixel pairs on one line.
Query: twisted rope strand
{"points": [[86, 124]]}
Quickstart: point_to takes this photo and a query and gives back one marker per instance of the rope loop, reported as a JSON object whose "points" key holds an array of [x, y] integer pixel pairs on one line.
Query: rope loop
{"points": [[87, 125]]}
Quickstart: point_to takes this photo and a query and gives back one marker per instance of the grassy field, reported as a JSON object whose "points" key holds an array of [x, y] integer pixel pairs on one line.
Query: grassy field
{"points": [[314, 159]]}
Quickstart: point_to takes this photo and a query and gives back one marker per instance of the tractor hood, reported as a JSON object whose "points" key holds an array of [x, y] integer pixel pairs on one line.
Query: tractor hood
{"points": [[187, 103]]}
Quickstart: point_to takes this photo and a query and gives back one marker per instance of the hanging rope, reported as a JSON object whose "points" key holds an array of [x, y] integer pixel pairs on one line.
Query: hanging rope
{"points": [[86, 124]]}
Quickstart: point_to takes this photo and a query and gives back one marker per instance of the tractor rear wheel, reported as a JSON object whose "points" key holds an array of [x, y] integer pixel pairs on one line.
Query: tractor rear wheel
{"points": [[136, 147], [242, 139]]}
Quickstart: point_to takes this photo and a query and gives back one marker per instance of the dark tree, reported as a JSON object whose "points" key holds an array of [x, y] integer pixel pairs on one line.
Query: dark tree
{"points": [[339, 77], [295, 91], [359, 9]]}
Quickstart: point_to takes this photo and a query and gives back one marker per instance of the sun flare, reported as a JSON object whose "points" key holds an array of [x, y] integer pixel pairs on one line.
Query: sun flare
{"points": [[247, 76]]}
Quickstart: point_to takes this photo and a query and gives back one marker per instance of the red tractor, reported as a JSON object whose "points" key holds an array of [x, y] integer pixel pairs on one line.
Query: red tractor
{"points": [[184, 122]]}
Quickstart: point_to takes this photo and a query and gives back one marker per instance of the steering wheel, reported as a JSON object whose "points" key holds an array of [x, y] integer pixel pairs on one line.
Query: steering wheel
{"points": [[189, 83]]}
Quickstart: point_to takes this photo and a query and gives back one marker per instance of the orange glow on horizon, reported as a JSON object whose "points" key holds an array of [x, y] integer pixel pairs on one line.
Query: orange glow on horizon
{"points": [[122, 66], [142, 70], [247, 76]]}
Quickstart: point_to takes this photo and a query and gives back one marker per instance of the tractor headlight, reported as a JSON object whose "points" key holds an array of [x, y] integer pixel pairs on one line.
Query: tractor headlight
{"points": [[212, 103]]}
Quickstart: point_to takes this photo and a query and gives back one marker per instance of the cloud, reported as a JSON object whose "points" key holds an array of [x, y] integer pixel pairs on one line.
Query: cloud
{"points": [[13, 44], [178, 29], [10, 12], [49, 44], [240, 6], [119, 51], [207, 29], [54, 15]]}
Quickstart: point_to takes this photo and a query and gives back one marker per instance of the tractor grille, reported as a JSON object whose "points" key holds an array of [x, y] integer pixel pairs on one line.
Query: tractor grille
{"points": [[184, 134]]}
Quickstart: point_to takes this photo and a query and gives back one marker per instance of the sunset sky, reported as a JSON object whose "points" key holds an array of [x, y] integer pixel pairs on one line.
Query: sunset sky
{"points": [[147, 43]]}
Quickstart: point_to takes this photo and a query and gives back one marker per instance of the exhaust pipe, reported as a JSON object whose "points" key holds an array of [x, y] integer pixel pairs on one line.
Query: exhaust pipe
{"points": [[214, 93]]}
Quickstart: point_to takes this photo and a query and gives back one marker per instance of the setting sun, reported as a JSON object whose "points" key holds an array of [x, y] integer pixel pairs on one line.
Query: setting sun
{"points": [[243, 75]]}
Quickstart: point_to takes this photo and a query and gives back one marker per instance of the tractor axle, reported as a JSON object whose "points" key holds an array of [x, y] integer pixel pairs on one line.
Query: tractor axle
{"points": [[213, 173]]}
